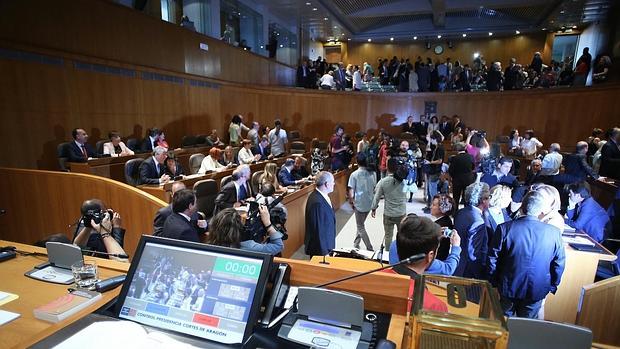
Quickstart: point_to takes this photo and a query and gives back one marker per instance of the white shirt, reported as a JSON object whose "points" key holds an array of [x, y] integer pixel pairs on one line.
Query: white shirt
{"points": [[529, 145], [328, 80], [357, 80], [186, 216], [551, 164], [245, 156], [209, 164], [277, 141], [108, 148], [325, 196]]}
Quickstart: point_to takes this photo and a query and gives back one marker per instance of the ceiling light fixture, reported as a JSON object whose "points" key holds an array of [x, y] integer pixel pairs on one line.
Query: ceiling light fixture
{"points": [[335, 27], [349, 39], [490, 34], [415, 38], [476, 55], [544, 28], [574, 27], [391, 39], [464, 35], [517, 32], [308, 4], [314, 9], [369, 40], [325, 18], [438, 36]]}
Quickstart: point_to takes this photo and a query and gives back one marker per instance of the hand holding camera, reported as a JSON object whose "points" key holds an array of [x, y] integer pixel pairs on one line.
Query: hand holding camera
{"points": [[453, 235]]}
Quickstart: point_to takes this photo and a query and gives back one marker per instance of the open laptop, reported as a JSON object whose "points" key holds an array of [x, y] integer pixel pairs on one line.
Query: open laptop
{"points": [[203, 295]]}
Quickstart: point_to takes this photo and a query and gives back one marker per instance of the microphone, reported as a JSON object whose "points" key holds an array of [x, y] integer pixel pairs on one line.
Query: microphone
{"points": [[414, 258], [117, 255]]}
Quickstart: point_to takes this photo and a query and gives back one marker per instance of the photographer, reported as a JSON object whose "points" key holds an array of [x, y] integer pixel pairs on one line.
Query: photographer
{"points": [[100, 231], [226, 229]]}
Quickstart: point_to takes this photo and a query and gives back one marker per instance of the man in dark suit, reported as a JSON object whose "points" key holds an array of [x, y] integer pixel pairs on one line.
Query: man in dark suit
{"points": [[152, 169], [302, 74], [164, 212], [79, 150], [465, 78], [472, 227], [320, 236], [235, 192], [526, 260], [179, 224], [495, 81], [299, 169], [610, 156], [263, 149], [424, 78], [421, 127], [462, 172], [285, 176], [576, 168], [150, 141], [445, 127], [501, 175], [340, 77], [584, 213]]}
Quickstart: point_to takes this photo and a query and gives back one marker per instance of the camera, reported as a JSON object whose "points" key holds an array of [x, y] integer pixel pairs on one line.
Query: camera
{"points": [[254, 229], [95, 215], [447, 232]]}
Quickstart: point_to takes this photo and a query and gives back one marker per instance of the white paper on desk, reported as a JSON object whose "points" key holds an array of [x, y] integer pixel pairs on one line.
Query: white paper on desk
{"points": [[577, 240], [120, 334], [7, 316], [568, 229], [53, 274]]}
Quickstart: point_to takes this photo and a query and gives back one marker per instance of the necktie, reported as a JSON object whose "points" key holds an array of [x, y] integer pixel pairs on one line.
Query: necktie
{"points": [[158, 169], [242, 193], [84, 152], [577, 209]]}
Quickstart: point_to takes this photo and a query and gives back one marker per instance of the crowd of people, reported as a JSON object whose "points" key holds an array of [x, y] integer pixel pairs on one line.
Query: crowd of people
{"points": [[439, 76]]}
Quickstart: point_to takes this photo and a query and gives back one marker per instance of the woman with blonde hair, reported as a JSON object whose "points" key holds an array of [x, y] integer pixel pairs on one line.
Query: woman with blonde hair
{"points": [[501, 196], [270, 175], [552, 199]]}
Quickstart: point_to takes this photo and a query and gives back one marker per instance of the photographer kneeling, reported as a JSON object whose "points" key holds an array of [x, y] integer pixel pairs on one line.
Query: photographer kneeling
{"points": [[100, 231], [226, 229]]}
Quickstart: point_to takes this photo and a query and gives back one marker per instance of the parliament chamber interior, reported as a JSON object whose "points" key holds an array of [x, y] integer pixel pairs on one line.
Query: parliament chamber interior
{"points": [[310, 174]]}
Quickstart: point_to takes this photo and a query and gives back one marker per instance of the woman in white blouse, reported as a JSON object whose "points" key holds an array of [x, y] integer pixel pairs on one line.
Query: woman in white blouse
{"points": [[245, 155], [514, 142], [115, 147], [210, 163], [529, 144]]}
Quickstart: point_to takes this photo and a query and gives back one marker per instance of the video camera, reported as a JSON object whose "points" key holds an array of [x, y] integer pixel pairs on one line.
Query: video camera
{"points": [[95, 215], [254, 229]]}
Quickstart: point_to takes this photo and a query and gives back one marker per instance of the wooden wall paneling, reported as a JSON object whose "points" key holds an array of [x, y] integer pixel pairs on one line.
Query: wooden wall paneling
{"points": [[41, 203]]}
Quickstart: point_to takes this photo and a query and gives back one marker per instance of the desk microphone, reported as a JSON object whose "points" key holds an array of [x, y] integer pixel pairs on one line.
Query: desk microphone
{"points": [[117, 255]]}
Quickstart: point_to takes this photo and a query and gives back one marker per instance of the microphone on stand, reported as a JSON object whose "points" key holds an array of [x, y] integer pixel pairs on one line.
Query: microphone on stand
{"points": [[324, 261]]}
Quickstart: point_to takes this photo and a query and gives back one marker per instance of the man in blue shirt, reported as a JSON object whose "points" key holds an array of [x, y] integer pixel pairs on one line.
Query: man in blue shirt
{"points": [[526, 260], [584, 213], [501, 175]]}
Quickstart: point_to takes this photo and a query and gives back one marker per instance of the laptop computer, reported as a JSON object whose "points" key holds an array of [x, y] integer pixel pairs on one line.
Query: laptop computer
{"points": [[203, 295]]}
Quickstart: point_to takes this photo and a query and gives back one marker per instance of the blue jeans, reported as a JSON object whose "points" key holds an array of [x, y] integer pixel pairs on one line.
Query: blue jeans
{"points": [[431, 189], [520, 307]]}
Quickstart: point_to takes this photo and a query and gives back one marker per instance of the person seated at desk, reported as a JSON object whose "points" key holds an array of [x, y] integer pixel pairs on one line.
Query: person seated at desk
{"points": [[534, 173], [228, 157], [270, 176], [501, 175], [235, 192], [100, 231], [211, 162], [164, 212], [576, 168], [150, 141], [152, 170], [79, 150], [526, 260], [584, 213], [245, 155], [418, 235], [179, 225], [115, 147], [285, 176], [161, 140], [262, 149], [299, 169], [173, 168], [228, 230], [213, 139]]}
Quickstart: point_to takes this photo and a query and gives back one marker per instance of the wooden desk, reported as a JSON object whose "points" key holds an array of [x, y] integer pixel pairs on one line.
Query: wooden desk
{"points": [[579, 270], [604, 192], [27, 330]]}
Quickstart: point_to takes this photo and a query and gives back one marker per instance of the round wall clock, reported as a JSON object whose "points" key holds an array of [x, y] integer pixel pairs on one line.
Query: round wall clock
{"points": [[438, 49]]}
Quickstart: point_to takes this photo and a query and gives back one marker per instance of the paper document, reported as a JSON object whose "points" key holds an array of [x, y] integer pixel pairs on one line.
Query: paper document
{"points": [[126, 334], [576, 239], [6, 297], [53, 274], [7, 316]]}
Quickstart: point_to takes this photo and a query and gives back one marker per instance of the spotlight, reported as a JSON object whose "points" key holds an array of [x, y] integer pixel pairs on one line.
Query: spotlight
{"points": [[369, 39], [415, 38], [476, 55], [438, 36], [490, 34], [517, 32], [391, 39], [464, 35]]}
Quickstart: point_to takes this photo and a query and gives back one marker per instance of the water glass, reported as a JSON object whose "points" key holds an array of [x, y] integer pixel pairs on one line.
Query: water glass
{"points": [[85, 273]]}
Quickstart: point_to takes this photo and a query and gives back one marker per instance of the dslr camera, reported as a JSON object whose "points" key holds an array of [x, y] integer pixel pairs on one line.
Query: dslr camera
{"points": [[254, 229], [95, 215]]}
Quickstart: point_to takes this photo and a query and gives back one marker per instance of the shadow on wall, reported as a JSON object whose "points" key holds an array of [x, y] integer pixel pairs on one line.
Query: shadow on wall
{"points": [[192, 125], [138, 133], [384, 123], [49, 155]]}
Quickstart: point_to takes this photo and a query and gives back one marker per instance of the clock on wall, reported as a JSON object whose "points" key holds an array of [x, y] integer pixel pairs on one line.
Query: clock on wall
{"points": [[438, 49]]}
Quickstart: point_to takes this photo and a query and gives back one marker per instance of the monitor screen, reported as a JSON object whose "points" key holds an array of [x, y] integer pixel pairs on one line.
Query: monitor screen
{"points": [[195, 289]]}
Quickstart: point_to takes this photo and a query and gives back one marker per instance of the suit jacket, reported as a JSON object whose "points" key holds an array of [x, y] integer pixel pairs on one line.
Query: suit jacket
{"points": [[610, 160], [492, 181], [264, 154], [178, 227], [147, 145], [421, 129], [320, 226], [76, 154], [227, 196], [470, 224], [302, 80], [285, 177], [162, 215], [445, 129], [462, 168], [592, 219], [576, 169], [148, 172], [407, 128], [465, 80], [527, 259], [340, 80]]}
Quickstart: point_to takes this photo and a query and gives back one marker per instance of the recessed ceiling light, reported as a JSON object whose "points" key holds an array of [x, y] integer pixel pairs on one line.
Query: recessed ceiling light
{"points": [[544, 28], [574, 27], [349, 39], [369, 40], [325, 18], [308, 4], [415, 38], [335, 27], [281, 45], [517, 32], [261, 46], [438, 36], [490, 34], [562, 12], [464, 35], [342, 34], [314, 9], [391, 39]]}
